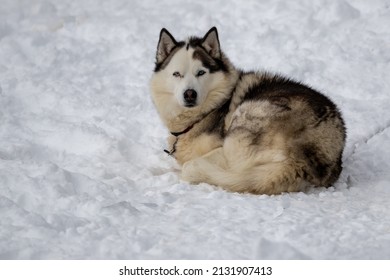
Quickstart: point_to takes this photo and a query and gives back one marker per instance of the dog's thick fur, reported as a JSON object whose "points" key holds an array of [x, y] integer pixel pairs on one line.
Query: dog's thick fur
{"points": [[243, 131]]}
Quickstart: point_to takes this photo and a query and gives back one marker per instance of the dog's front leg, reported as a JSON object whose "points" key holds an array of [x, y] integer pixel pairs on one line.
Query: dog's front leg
{"points": [[200, 170]]}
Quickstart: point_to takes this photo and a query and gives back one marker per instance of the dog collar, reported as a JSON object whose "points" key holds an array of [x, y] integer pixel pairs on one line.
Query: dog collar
{"points": [[177, 134]]}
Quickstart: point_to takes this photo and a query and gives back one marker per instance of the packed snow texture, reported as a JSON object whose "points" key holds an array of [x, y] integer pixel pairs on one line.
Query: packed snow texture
{"points": [[83, 174]]}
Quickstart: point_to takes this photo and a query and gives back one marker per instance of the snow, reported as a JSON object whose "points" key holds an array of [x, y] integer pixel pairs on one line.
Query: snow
{"points": [[82, 171]]}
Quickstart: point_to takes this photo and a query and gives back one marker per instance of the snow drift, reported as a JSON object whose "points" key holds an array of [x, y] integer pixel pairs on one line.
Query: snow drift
{"points": [[82, 171]]}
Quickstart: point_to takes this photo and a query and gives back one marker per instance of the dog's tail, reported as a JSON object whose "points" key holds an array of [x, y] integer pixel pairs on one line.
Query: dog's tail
{"points": [[269, 178]]}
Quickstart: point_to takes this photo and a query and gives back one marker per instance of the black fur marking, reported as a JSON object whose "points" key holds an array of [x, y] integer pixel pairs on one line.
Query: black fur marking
{"points": [[207, 59], [319, 168], [319, 172], [210, 63], [218, 123], [161, 65], [214, 64], [166, 44], [278, 89], [195, 42], [164, 30], [211, 43]]}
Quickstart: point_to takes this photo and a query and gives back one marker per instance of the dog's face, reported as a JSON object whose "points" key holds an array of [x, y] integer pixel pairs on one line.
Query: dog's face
{"points": [[188, 73], [188, 79]]}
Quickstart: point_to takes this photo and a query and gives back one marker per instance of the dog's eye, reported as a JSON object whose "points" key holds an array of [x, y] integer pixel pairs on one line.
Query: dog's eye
{"points": [[200, 73], [176, 74]]}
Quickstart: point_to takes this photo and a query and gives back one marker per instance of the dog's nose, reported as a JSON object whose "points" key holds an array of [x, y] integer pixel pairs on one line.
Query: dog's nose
{"points": [[190, 96]]}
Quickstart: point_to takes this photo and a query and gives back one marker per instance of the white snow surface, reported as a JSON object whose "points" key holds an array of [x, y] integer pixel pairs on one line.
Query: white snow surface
{"points": [[82, 169]]}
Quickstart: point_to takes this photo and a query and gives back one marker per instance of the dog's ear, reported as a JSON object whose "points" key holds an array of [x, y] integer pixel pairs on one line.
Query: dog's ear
{"points": [[210, 42], [166, 44]]}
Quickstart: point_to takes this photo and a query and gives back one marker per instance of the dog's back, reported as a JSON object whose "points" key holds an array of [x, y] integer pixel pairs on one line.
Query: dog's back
{"points": [[294, 135]]}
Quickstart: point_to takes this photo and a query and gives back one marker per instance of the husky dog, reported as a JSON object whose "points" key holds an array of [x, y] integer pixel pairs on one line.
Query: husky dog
{"points": [[252, 132]]}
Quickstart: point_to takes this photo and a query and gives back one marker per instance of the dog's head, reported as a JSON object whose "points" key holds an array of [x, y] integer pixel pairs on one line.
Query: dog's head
{"points": [[190, 74]]}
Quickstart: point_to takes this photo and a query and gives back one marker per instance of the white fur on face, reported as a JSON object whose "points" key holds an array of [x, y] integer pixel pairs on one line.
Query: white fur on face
{"points": [[168, 90], [188, 68]]}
